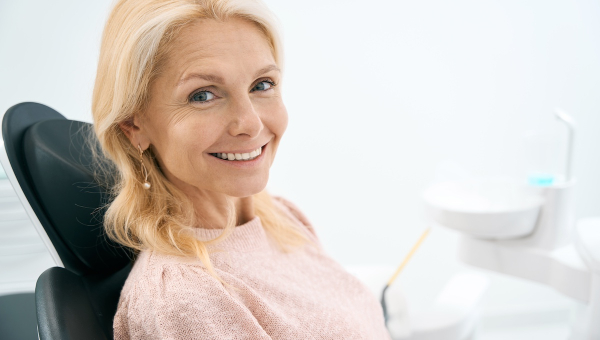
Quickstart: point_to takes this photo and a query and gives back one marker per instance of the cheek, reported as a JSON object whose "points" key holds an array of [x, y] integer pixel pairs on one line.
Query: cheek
{"points": [[178, 144], [276, 120]]}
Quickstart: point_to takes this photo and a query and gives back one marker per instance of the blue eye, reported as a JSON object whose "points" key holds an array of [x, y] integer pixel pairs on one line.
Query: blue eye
{"points": [[263, 85], [202, 96]]}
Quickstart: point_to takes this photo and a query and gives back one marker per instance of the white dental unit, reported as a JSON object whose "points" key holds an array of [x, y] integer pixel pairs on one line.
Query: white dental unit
{"points": [[528, 232], [525, 231]]}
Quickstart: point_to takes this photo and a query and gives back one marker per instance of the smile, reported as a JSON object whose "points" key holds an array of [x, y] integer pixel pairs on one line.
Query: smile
{"points": [[238, 156]]}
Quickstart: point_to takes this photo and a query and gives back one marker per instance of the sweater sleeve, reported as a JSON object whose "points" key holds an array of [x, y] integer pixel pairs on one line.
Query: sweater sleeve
{"points": [[184, 302]]}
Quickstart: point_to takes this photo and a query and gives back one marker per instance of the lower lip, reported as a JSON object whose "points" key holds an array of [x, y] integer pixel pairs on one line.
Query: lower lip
{"points": [[243, 164]]}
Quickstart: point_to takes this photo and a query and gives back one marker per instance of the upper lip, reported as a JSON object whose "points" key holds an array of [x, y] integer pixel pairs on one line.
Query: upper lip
{"points": [[241, 151]]}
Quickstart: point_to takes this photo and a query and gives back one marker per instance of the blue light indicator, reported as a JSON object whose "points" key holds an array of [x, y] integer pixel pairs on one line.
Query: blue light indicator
{"points": [[541, 181]]}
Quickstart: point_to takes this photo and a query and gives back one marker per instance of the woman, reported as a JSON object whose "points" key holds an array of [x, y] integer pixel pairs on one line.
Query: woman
{"points": [[187, 104]]}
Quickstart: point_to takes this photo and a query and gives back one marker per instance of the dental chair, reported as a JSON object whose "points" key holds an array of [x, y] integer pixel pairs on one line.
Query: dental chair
{"points": [[51, 161]]}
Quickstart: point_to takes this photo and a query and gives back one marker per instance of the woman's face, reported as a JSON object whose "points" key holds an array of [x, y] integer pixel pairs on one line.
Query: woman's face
{"points": [[217, 100]]}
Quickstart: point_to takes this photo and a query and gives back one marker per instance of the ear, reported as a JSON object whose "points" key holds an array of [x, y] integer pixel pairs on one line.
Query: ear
{"points": [[135, 132]]}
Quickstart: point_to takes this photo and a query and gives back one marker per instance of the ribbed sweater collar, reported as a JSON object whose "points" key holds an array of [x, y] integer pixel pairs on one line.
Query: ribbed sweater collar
{"points": [[246, 237]]}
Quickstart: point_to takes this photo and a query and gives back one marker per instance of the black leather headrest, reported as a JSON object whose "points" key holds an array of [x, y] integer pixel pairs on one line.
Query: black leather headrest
{"points": [[59, 160]]}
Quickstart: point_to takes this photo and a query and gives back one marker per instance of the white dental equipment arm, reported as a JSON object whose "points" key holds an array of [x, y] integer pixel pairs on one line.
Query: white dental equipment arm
{"points": [[587, 242]]}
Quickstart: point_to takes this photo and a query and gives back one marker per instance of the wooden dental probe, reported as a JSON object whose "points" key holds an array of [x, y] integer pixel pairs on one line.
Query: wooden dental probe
{"points": [[402, 265]]}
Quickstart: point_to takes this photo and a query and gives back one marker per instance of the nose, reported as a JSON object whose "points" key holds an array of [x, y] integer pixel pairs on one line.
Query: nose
{"points": [[245, 119]]}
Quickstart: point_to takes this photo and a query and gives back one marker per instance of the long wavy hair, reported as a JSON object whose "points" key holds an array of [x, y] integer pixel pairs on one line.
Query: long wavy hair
{"points": [[135, 45]]}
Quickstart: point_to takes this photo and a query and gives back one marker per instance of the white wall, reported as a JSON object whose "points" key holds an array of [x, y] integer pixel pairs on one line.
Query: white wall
{"points": [[384, 97]]}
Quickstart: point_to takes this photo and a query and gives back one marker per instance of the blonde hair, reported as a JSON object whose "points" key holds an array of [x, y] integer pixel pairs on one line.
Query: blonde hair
{"points": [[134, 47]]}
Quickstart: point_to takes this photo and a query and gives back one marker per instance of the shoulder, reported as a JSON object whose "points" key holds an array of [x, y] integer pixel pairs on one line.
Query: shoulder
{"points": [[156, 279], [291, 210], [174, 297], [155, 275]]}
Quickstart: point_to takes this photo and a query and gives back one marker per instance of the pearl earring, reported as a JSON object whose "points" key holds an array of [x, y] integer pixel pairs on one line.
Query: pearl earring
{"points": [[146, 184]]}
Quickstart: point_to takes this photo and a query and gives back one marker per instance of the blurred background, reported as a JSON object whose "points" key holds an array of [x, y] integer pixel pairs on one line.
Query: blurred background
{"points": [[384, 98]]}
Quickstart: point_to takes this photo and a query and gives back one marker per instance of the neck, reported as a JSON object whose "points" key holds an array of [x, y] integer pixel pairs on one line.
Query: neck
{"points": [[213, 210]]}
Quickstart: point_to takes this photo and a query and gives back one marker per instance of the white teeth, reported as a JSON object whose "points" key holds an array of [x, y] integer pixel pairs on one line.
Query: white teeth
{"points": [[238, 156]]}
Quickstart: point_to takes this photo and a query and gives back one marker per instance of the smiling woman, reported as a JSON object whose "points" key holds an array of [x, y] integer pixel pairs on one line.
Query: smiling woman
{"points": [[216, 94], [188, 106]]}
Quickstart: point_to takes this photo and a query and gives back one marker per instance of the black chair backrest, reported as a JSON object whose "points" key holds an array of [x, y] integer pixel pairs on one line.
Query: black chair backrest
{"points": [[51, 158]]}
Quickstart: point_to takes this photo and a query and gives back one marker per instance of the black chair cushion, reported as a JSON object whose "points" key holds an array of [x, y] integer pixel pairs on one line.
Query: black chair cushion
{"points": [[62, 171]]}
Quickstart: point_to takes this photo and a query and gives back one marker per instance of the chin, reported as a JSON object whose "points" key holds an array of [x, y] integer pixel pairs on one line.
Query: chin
{"points": [[246, 189]]}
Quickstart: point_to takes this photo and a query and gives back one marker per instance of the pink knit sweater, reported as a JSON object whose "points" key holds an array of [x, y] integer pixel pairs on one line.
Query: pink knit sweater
{"points": [[299, 295]]}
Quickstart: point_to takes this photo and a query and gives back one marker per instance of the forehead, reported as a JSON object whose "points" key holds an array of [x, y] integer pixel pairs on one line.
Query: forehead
{"points": [[210, 44]]}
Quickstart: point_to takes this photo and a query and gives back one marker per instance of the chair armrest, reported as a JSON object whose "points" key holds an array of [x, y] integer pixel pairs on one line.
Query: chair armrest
{"points": [[64, 311]]}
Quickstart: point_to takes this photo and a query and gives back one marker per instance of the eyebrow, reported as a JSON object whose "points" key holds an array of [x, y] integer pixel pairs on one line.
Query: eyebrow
{"points": [[208, 77], [219, 80], [266, 69]]}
